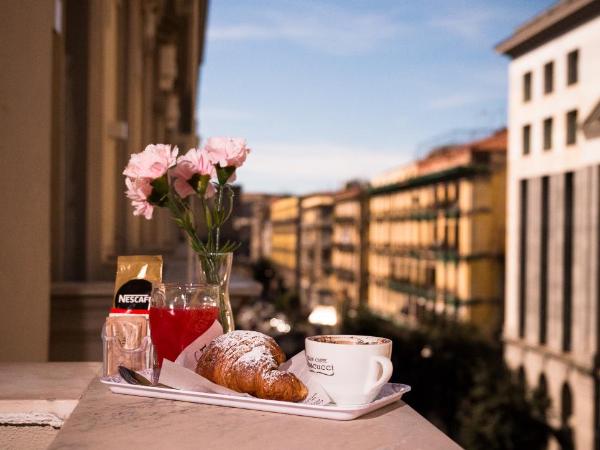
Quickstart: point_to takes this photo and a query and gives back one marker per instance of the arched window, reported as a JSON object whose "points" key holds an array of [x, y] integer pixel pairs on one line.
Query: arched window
{"points": [[543, 384], [540, 396], [521, 380], [566, 404], [565, 436]]}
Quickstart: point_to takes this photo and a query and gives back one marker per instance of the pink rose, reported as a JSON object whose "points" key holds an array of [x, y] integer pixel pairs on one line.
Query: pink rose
{"points": [[227, 152], [152, 163], [138, 191], [194, 162]]}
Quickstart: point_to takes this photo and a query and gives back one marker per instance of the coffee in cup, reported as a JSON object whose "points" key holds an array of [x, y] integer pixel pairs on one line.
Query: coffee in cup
{"points": [[352, 369]]}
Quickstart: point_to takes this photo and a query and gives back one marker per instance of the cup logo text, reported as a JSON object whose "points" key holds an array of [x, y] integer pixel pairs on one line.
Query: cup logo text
{"points": [[320, 365]]}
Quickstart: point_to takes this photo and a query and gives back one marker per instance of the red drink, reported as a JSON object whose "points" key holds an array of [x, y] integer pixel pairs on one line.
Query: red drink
{"points": [[173, 330]]}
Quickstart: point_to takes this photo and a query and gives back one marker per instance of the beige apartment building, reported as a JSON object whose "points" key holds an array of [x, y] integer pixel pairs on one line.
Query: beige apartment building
{"points": [[248, 219], [84, 84], [259, 211], [436, 236], [349, 246], [316, 227], [285, 239], [552, 314]]}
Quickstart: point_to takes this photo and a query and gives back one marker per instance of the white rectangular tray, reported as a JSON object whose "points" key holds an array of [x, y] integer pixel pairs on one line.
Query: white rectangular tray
{"points": [[390, 393]]}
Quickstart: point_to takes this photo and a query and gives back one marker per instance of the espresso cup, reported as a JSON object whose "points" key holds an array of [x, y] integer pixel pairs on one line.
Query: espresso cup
{"points": [[351, 369]]}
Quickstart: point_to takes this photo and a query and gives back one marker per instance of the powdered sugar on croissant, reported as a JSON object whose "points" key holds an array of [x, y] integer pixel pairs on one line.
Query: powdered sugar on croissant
{"points": [[248, 361]]}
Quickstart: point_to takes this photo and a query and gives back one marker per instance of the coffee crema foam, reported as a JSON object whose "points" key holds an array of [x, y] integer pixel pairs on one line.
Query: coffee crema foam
{"points": [[349, 340]]}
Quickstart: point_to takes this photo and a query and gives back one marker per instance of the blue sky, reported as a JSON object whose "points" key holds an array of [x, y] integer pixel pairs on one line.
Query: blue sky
{"points": [[332, 90]]}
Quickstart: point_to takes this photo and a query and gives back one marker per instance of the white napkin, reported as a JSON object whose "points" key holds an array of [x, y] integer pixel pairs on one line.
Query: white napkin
{"points": [[181, 373]]}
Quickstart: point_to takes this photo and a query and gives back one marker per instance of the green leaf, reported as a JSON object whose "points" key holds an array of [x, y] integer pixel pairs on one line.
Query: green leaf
{"points": [[223, 173], [208, 217], [203, 184], [199, 183], [230, 246], [194, 181], [161, 185], [216, 217], [158, 199]]}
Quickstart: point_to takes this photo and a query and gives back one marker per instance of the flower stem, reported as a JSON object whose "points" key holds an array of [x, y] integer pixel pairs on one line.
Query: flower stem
{"points": [[219, 210]]}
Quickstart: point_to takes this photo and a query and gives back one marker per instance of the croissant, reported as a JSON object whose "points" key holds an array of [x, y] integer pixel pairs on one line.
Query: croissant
{"points": [[247, 361]]}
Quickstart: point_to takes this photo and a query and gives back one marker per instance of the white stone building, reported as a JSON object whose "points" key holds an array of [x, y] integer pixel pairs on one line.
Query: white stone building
{"points": [[552, 314]]}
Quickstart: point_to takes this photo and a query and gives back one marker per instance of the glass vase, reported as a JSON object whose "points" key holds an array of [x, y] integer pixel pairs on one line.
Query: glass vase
{"points": [[215, 268]]}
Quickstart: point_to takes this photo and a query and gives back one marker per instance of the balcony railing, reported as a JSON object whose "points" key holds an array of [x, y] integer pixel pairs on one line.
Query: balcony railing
{"points": [[444, 253], [444, 175], [345, 274], [346, 219], [434, 213], [344, 247]]}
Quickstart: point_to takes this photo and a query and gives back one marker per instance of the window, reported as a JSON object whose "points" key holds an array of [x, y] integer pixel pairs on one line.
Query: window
{"points": [[482, 158], [573, 67], [521, 379], [572, 127], [526, 139], [548, 77], [527, 87], [548, 133], [566, 405], [523, 258], [568, 262], [456, 233], [430, 277], [543, 385], [544, 238]]}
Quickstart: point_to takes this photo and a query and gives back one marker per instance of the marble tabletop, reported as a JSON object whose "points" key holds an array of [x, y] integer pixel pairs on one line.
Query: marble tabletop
{"points": [[104, 420], [37, 398], [38, 393]]}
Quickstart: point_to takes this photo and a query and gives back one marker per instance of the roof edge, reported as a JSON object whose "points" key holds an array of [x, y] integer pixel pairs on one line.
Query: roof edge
{"points": [[547, 25]]}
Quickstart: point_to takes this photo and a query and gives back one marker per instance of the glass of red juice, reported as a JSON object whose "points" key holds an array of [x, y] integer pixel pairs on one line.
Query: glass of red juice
{"points": [[180, 313]]}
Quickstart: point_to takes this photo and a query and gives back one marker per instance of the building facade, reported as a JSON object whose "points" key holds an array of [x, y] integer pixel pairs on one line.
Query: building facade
{"points": [[436, 236], [349, 246], [552, 316], [126, 75], [316, 228], [86, 83], [285, 239], [260, 241], [251, 226]]}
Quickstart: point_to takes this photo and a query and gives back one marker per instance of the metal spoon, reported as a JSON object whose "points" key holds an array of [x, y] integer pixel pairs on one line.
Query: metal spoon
{"points": [[132, 377]]}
